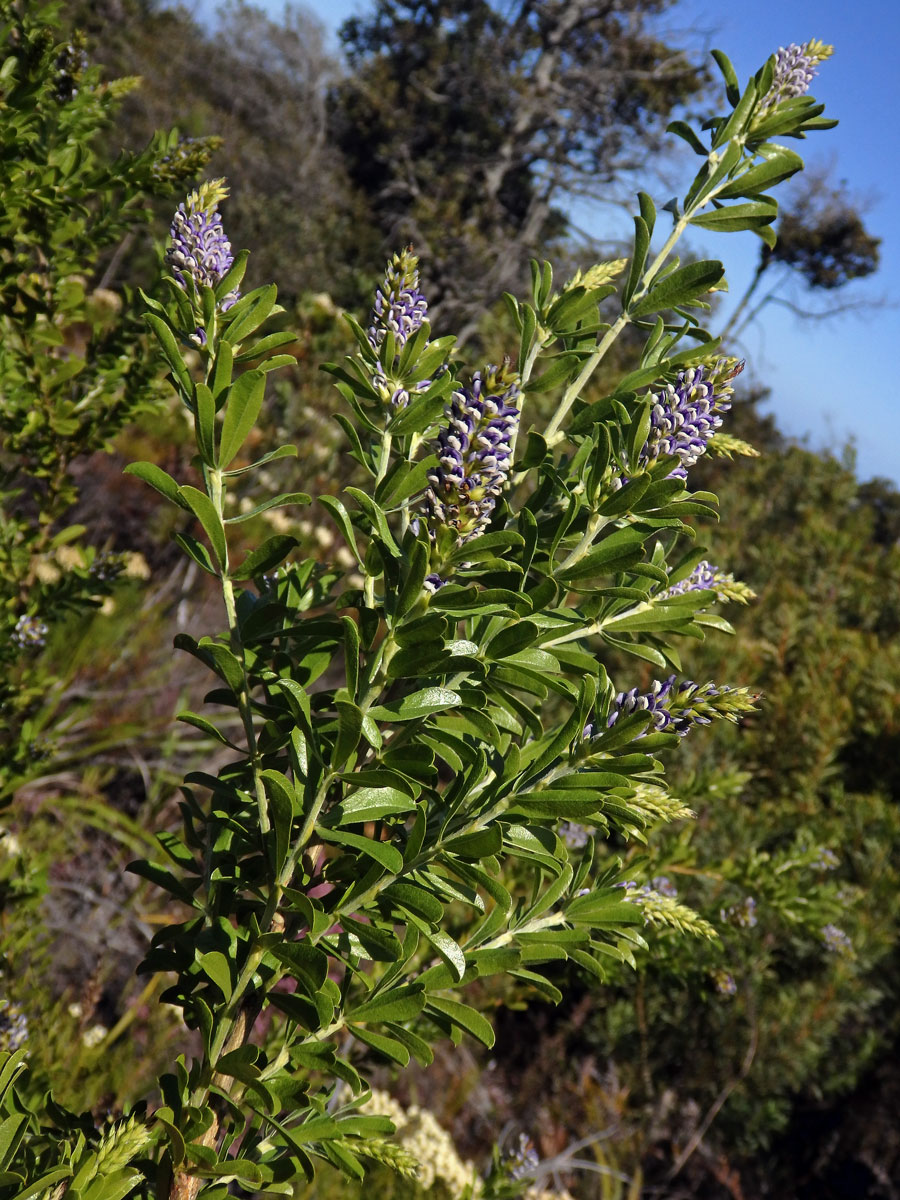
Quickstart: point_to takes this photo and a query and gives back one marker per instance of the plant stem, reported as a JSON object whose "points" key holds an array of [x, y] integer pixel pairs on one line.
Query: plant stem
{"points": [[216, 487], [553, 433]]}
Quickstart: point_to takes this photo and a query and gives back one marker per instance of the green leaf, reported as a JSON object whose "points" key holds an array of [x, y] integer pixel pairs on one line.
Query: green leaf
{"points": [[462, 1016], [172, 354], [158, 479], [215, 966], [283, 803], [350, 719], [205, 726], [376, 516], [11, 1131], [683, 130], [723, 62], [686, 284], [415, 900], [271, 342], [205, 512], [281, 452], [368, 804], [380, 944], [759, 178], [307, 964], [265, 557], [222, 371], [419, 704], [341, 518], [205, 423], [43, 1183], [449, 951], [388, 1047], [249, 313], [560, 370], [281, 501], [478, 845], [241, 410], [638, 258], [418, 1047], [383, 852], [617, 552], [734, 217], [400, 1004]]}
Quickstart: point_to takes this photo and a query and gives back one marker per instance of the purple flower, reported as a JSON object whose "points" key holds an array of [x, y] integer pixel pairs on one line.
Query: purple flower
{"points": [[13, 1027], [704, 577], [30, 633], [523, 1161], [836, 941], [200, 253], [742, 915], [663, 886], [686, 414], [795, 69], [678, 709], [574, 835], [475, 452], [399, 305], [724, 983], [825, 860]]}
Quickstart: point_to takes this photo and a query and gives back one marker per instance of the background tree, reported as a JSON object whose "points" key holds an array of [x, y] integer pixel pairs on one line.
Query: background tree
{"points": [[471, 128], [822, 243]]}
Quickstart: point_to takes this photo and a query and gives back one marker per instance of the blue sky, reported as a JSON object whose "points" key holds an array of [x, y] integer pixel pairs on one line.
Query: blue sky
{"points": [[832, 380]]}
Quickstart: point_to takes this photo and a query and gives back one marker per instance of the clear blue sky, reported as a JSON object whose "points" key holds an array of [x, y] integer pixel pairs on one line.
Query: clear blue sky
{"points": [[836, 379]]}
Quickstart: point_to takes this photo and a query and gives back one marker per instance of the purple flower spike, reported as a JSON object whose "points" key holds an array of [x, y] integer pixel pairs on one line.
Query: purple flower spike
{"points": [[836, 941], [686, 414], [399, 305], [475, 453], [200, 253], [679, 709], [795, 69], [30, 633]]}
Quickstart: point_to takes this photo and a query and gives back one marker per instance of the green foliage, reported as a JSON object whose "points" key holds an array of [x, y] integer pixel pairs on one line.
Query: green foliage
{"points": [[74, 367]]}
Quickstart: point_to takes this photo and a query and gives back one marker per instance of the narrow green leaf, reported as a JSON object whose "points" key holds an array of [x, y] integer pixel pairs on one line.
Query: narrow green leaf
{"points": [[419, 704], [282, 501], [205, 423], [369, 804], [158, 479], [350, 719], [382, 852], [205, 512], [463, 1016], [681, 287], [265, 557], [400, 1004], [241, 410], [215, 966], [638, 258], [342, 519], [172, 354], [388, 1047]]}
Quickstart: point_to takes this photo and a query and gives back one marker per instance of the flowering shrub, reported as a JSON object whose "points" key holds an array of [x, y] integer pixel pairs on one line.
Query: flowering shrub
{"points": [[419, 736]]}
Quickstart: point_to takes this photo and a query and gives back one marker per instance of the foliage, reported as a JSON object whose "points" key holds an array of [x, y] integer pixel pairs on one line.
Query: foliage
{"points": [[75, 371], [74, 365]]}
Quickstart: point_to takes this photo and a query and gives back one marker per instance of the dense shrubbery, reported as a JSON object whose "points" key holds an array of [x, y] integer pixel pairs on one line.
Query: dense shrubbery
{"points": [[417, 799]]}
